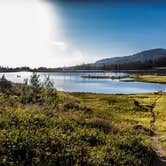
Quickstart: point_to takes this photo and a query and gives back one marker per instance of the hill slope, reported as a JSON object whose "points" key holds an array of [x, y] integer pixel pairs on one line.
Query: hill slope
{"points": [[143, 56]]}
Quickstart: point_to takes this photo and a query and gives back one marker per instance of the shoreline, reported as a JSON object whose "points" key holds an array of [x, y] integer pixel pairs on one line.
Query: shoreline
{"points": [[149, 71], [153, 78]]}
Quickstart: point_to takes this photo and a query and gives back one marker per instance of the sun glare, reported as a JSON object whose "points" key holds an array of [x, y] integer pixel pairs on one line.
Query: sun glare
{"points": [[31, 34], [26, 29]]}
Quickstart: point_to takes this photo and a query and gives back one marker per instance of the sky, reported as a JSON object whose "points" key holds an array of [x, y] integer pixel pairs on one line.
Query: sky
{"points": [[53, 33]]}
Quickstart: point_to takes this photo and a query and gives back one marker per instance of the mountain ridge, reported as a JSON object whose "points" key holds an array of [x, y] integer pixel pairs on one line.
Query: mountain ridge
{"points": [[142, 56]]}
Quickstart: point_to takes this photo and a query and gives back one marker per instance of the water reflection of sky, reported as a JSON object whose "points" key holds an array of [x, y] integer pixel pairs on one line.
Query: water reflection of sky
{"points": [[73, 82]]}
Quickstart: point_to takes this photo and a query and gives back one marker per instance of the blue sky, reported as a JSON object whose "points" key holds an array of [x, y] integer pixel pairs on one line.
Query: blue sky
{"points": [[101, 30]]}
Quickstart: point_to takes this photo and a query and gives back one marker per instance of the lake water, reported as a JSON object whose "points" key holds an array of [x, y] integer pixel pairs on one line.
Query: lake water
{"points": [[72, 82]]}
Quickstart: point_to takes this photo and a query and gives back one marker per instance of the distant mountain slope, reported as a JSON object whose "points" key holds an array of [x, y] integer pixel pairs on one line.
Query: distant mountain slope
{"points": [[143, 56]]}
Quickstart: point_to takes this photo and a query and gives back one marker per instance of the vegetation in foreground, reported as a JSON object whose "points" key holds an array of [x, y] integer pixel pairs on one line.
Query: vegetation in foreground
{"points": [[161, 120], [40, 126]]}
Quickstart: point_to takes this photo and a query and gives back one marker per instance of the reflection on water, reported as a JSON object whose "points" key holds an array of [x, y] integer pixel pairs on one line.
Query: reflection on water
{"points": [[73, 82]]}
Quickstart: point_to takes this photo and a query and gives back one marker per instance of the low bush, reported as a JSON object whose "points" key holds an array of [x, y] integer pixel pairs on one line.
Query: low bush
{"points": [[46, 127]]}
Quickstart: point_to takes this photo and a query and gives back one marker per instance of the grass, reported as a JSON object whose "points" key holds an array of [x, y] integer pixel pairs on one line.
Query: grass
{"points": [[74, 129], [149, 78], [133, 77]]}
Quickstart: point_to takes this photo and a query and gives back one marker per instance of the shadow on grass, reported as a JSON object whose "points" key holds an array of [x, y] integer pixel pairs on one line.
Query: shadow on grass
{"points": [[158, 161]]}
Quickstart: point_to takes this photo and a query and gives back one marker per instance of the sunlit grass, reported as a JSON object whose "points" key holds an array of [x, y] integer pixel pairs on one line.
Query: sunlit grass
{"points": [[149, 78]]}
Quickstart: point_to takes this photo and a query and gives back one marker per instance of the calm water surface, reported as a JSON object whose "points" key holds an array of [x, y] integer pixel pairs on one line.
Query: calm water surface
{"points": [[72, 82]]}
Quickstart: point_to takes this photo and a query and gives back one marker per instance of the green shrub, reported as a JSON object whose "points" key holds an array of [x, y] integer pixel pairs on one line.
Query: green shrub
{"points": [[101, 124], [5, 85], [73, 106]]}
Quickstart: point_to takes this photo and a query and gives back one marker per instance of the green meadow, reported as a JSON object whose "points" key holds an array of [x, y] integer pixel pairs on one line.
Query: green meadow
{"points": [[42, 126], [149, 78]]}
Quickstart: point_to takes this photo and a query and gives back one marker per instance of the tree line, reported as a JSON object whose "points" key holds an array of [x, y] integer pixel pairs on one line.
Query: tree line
{"points": [[134, 65]]}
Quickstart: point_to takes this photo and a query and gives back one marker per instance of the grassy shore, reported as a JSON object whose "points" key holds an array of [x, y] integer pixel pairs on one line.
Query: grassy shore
{"points": [[149, 78], [40, 126], [133, 77]]}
